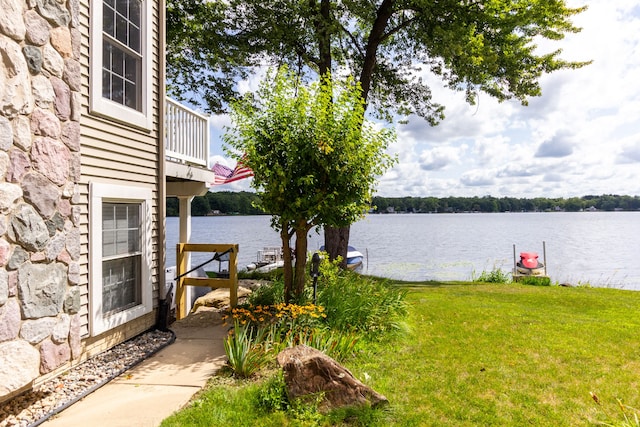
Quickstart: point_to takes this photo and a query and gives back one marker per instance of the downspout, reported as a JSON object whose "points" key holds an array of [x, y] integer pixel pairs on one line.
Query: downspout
{"points": [[162, 178]]}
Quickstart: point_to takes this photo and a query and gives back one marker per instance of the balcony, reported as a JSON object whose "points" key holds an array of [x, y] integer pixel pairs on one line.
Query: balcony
{"points": [[186, 142]]}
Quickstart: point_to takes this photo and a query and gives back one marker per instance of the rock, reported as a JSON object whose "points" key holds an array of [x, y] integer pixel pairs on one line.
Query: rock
{"points": [[4, 287], [11, 22], [72, 243], [18, 257], [15, 89], [37, 28], [17, 372], [41, 193], [22, 125], [28, 228], [9, 320], [4, 165], [45, 123], [6, 134], [34, 331], [72, 299], [52, 61], [33, 55], [5, 254], [9, 193], [217, 298], [72, 74], [61, 330], [43, 95], [62, 104], [308, 371], [42, 289], [53, 355], [75, 340], [71, 135], [61, 41], [51, 158], [55, 246], [19, 164], [54, 12]]}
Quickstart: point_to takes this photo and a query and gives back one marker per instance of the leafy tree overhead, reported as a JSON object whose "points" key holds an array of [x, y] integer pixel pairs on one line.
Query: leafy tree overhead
{"points": [[315, 159], [389, 46]]}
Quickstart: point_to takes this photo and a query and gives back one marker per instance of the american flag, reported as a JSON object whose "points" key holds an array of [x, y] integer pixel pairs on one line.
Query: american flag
{"points": [[225, 175]]}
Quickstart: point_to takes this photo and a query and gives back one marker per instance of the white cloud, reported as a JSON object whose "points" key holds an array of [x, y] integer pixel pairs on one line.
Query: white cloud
{"points": [[582, 136]]}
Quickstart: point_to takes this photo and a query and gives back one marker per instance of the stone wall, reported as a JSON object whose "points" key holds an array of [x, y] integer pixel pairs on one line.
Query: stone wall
{"points": [[40, 83]]}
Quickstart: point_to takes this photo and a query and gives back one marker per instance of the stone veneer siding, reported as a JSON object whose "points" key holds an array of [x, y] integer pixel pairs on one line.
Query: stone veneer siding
{"points": [[40, 83]]}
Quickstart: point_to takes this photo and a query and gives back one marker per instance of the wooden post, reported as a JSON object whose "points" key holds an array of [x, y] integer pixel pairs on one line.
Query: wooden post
{"points": [[182, 250], [181, 291], [233, 277]]}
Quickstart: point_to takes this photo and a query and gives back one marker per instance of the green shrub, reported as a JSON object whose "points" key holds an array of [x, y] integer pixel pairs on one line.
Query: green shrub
{"points": [[270, 293], [355, 303], [244, 352], [494, 276], [272, 395]]}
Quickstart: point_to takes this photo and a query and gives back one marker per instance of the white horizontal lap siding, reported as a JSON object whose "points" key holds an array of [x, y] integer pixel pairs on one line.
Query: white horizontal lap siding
{"points": [[115, 153]]}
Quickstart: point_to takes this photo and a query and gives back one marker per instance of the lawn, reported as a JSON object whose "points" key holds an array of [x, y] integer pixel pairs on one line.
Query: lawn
{"points": [[480, 354]]}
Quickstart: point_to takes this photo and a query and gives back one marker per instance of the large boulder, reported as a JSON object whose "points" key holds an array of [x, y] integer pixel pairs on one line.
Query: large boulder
{"points": [[217, 298], [308, 371]]}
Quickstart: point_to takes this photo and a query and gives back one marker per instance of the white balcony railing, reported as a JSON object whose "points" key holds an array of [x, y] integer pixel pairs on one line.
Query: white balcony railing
{"points": [[186, 135]]}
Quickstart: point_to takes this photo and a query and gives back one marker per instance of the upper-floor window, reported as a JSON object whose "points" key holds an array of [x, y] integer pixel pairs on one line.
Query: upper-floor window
{"points": [[122, 52], [121, 60]]}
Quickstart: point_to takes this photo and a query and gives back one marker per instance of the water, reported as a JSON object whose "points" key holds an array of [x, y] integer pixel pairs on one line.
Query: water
{"points": [[598, 248]]}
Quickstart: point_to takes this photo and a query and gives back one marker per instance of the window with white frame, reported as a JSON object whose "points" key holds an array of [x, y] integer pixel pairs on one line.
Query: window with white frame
{"points": [[120, 283], [120, 60]]}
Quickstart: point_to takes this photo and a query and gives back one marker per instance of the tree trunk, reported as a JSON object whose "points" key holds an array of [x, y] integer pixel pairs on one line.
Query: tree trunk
{"points": [[336, 240], [287, 268], [301, 258]]}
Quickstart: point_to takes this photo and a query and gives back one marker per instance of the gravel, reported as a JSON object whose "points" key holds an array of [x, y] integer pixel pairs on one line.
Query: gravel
{"points": [[37, 405]]}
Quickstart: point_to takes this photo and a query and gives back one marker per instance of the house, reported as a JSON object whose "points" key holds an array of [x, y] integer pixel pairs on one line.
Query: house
{"points": [[89, 150]]}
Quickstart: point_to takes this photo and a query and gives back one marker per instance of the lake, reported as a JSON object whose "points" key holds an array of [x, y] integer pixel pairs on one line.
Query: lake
{"points": [[597, 248]]}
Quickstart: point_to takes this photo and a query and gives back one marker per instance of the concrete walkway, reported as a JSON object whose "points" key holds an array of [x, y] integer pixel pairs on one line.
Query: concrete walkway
{"points": [[151, 391]]}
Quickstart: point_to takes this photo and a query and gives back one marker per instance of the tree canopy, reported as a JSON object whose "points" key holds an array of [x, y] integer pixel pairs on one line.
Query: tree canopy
{"points": [[387, 45], [314, 157]]}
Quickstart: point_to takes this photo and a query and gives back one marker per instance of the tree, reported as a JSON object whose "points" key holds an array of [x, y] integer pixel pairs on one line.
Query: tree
{"points": [[472, 46], [314, 157]]}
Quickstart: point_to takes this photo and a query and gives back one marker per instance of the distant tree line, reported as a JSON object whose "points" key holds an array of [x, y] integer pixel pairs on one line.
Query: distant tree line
{"points": [[219, 203], [242, 203], [504, 204]]}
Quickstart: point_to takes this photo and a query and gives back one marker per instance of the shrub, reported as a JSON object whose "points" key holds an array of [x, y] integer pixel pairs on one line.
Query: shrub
{"points": [[272, 396], [494, 276], [244, 353], [270, 293], [361, 304]]}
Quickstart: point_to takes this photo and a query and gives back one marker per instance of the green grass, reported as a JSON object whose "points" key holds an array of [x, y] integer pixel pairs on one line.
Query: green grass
{"points": [[480, 354]]}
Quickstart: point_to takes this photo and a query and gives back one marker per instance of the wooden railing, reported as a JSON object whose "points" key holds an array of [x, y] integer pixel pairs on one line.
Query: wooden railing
{"points": [[186, 135], [182, 281]]}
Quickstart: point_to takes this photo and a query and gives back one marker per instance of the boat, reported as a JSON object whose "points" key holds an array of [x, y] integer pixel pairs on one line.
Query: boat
{"points": [[529, 264], [268, 259], [354, 257]]}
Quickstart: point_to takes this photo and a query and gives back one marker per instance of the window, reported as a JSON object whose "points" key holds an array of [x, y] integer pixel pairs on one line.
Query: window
{"points": [[120, 60], [120, 282], [121, 256]]}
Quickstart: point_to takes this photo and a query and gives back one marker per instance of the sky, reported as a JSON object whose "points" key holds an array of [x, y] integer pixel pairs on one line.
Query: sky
{"points": [[581, 137]]}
